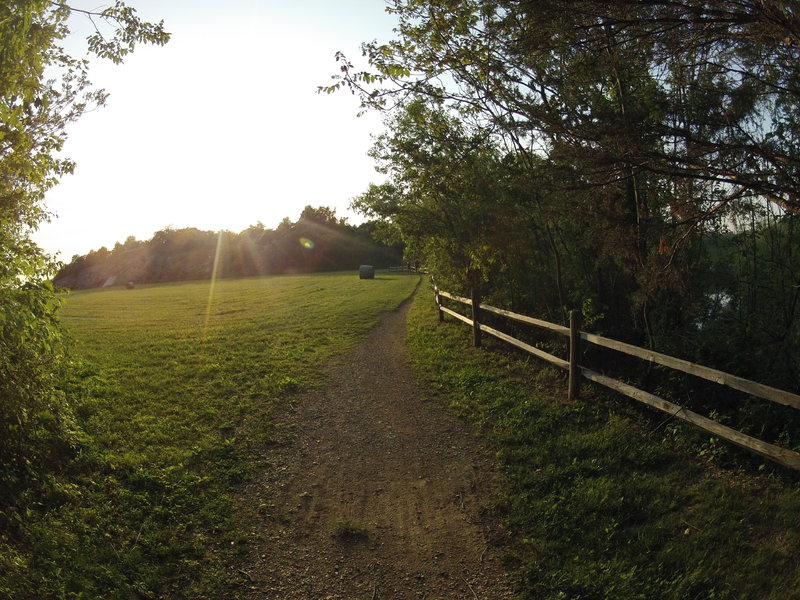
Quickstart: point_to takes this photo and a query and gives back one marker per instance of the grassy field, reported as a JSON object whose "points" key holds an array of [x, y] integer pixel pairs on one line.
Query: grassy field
{"points": [[173, 396], [607, 500]]}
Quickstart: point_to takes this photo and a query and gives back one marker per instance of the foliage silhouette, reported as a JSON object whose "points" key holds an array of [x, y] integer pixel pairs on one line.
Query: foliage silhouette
{"points": [[318, 241]]}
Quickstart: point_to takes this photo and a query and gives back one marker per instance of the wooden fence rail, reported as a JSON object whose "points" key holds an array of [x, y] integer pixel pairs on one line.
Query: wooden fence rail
{"points": [[780, 455]]}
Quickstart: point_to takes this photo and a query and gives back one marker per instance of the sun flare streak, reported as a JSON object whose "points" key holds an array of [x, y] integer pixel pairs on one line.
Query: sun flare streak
{"points": [[217, 253]]}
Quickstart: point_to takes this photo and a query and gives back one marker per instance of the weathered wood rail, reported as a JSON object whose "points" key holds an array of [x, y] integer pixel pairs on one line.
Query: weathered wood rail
{"points": [[409, 268], [780, 455]]}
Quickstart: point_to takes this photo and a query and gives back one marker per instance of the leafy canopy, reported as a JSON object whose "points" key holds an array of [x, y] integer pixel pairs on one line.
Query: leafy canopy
{"points": [[703, 91]]}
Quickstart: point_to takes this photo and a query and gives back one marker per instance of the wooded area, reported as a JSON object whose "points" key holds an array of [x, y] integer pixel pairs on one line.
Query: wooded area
{"points": [[637, 162], [317, 241]]}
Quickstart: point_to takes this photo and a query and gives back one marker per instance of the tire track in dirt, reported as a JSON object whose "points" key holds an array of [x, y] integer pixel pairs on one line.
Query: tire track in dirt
{"points": [[369, 453]]}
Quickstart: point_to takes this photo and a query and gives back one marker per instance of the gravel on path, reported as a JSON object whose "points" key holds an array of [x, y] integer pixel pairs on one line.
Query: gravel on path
{"points": [[376, 491]]}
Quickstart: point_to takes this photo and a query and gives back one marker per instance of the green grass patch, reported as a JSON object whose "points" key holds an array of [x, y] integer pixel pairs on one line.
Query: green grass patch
{"points": [[349, 532], [603, 503], [174, 398]]}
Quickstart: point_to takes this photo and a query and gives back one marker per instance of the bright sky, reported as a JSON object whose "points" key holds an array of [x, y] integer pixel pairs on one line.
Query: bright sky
{"points": [[220, 128]]}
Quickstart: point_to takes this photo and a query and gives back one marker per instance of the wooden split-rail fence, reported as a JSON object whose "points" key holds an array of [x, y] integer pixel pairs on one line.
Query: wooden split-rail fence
{"points": [[780, 455]]}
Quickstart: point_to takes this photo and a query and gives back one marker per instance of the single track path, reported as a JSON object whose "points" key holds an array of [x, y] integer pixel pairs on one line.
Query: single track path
{"points": [[376, 492]]}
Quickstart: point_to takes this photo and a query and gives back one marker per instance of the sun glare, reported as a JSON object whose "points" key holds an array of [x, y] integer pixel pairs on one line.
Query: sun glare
{"points": [[211, 286]]}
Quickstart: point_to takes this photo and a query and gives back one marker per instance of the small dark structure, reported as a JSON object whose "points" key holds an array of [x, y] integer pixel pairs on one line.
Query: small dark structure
{"points": [[130, 285], [366, 272]]}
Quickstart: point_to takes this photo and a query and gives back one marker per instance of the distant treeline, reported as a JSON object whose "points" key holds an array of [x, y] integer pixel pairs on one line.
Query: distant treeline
{"points": [[318, 241]]}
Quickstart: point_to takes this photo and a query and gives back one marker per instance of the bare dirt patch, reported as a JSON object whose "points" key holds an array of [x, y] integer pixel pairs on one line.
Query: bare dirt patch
{"points": [[376, 491]]}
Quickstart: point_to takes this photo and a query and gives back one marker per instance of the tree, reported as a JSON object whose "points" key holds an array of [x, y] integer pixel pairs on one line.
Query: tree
{"points": [[42, 90], [634, 135], [444, 193], [702, 92], [657, 120], [323, 215]]}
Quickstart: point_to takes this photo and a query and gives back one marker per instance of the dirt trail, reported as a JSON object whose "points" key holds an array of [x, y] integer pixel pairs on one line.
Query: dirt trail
{"points": [[376, 492]]}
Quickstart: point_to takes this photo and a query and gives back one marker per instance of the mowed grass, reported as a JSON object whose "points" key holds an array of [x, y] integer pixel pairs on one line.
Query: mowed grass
{"points": [[607, 500], [174, 397]]}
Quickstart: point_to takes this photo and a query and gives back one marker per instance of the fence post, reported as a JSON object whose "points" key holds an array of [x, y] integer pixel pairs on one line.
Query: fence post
{"points": [[476, 308], [574, 353], [438, 299]]}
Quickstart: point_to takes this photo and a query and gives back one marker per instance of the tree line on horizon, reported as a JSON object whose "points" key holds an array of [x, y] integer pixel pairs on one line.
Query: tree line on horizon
{"points": [[317, 241]]}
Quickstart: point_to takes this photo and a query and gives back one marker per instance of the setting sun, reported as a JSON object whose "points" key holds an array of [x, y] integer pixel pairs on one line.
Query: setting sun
{"points": [[220, 128]]}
